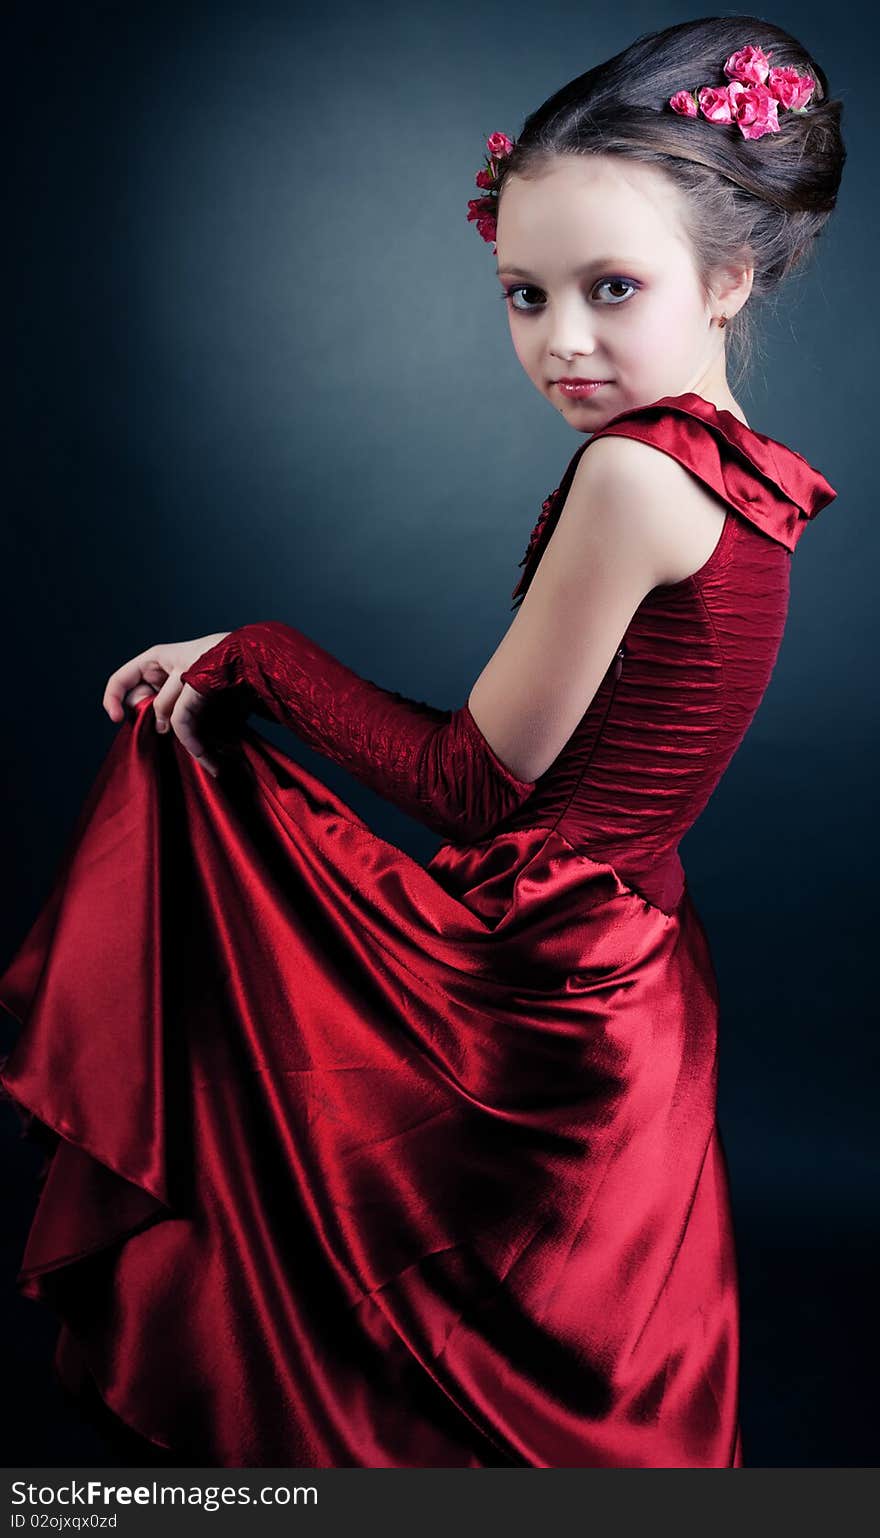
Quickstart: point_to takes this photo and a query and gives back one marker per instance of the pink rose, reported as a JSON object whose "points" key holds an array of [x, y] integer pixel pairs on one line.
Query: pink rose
{"points": [[790, 89], [499, 144], [754, 109], [715, 104], [806, 87], [484, 179], [750, 65], [683, 102]]}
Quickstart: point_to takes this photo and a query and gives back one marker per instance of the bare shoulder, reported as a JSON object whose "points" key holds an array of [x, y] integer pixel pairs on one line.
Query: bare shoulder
{"points": [[649, 496]]}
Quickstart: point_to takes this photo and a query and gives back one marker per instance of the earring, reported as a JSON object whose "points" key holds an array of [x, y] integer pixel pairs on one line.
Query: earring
{"points": [[722, 321]]}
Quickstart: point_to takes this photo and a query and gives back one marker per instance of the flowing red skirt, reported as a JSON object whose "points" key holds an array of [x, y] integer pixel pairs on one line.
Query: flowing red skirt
{"points": [[353, 1161]]}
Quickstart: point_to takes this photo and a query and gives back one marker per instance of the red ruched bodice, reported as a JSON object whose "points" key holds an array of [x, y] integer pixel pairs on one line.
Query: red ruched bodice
{"points": [[694, 661]]}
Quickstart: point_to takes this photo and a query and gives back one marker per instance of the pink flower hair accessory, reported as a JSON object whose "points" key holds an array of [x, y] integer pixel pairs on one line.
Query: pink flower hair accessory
{"points": [[484, 210], [752, 96]]}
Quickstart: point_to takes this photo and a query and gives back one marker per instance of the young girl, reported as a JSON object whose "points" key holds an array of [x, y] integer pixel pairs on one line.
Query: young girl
{"points": [[358, 1162]]}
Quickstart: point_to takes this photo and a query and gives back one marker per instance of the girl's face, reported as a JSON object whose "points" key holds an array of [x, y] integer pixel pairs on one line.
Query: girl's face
{"points": [[602, 285]]}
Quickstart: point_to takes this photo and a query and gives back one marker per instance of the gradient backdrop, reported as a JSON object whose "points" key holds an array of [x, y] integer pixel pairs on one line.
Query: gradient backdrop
{"points": [[262, 371]]}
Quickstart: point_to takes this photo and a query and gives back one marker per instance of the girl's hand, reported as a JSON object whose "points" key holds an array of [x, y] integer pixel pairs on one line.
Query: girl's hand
{"points": [[157, 670]]}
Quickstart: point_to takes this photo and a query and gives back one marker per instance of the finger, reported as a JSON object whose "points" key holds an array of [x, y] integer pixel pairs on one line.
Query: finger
{"points": [[134, 696], [125, 678], [166, 699], [184, 723]]}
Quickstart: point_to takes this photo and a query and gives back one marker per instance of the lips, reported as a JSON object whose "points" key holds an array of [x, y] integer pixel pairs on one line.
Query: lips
{"points": [[580, 388]]}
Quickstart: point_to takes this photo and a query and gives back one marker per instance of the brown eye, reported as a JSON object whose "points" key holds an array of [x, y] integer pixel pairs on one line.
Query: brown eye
{"points": [[617, 283]]}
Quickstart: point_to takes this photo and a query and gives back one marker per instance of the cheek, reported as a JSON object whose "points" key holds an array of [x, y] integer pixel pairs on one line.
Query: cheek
{"points": [[525, 343], [671, 323]]}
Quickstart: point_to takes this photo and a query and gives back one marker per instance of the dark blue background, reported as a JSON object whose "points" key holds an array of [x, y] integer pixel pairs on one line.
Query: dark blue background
{"points": [[262, 371]]}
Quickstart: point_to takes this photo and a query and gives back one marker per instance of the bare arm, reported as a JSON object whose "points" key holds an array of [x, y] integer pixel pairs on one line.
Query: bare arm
{"points": [[463, 771], [633, 518]]}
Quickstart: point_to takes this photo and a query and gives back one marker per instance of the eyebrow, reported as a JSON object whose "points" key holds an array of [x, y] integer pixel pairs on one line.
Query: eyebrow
{"points": [[601, 262]]}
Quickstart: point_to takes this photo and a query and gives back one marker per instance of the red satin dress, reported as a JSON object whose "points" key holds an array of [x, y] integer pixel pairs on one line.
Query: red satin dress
{"points": [[354, 1161]]}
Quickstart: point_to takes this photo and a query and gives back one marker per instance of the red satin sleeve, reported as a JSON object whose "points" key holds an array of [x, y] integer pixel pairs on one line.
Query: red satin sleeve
{"points": [[435, 764]]}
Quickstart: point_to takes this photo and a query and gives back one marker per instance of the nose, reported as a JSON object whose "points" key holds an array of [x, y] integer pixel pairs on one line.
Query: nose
{"points": [[571, 331]]}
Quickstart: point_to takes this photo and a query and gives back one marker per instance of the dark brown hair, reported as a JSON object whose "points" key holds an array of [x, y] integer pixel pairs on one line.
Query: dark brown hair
{"points": [[768, 197]]}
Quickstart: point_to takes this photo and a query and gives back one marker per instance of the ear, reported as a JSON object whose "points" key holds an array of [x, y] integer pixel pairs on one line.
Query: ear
{"points": [[731, 286]]}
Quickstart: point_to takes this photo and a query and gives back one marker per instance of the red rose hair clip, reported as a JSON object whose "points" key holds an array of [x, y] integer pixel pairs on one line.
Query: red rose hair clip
{"points": [[483, 210], [753, 96], [751, 99]]}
